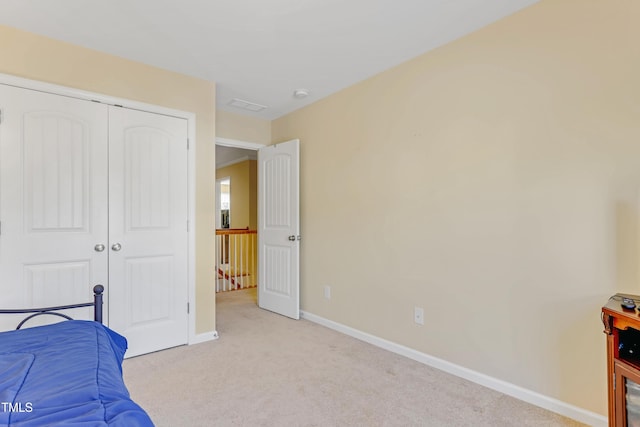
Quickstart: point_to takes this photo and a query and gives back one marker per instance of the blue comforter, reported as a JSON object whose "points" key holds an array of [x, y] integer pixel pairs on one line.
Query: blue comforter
{"points": [[68, 373]]}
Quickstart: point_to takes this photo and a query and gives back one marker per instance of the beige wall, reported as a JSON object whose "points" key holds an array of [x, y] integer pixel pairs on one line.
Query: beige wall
{"points": [[242, 128], [39, 58], [496, 183], [243, 194]]}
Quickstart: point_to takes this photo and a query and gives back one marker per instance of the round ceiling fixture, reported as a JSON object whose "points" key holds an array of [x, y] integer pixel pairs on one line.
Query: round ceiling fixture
{"points": [[301, 93]]}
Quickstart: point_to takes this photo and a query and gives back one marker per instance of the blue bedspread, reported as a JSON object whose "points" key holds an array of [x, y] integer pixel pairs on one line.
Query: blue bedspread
{"points": [[68, 373]]}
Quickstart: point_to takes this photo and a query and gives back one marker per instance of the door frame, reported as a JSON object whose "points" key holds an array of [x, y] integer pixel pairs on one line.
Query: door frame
{"points": [[227, 142], [235, 143], [54, 89]]}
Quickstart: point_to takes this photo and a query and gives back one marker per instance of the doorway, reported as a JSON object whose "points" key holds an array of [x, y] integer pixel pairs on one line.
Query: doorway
{"points": [[236, 216], [278, 222]]}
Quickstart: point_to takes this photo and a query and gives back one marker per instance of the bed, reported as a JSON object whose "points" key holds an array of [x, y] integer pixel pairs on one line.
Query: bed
{"points": [[65, 373]]}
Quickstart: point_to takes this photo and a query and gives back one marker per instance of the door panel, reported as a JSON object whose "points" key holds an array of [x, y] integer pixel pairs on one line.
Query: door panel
{"points": [[279, 229], [151, 277], [56, 171], [148, 220], [58, 284], [53, 198], [277, 268], [147, 154]]}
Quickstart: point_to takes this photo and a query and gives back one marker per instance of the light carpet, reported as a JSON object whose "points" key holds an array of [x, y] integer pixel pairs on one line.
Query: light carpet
{"points": [[268, 370]]}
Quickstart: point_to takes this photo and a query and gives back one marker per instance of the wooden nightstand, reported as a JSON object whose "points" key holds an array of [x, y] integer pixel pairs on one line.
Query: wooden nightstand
{"points": [[622, 326]]}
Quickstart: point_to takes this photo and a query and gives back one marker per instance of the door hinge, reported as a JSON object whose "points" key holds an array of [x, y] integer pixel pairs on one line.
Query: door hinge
{"points": [[187, 226], [0, 116], [187, 143], [188, 308]]}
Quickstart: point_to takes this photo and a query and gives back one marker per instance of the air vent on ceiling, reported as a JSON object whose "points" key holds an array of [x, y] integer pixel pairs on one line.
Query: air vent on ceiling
{"points": [[246, 105]]}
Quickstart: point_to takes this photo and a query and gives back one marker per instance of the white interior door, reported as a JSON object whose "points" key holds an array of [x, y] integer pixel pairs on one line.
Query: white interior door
{"points": [[148, 237], [53, 199], [279, 228]]}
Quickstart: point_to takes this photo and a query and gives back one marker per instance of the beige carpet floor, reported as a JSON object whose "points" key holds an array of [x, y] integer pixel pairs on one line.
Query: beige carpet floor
{"points": [[267, 370]]}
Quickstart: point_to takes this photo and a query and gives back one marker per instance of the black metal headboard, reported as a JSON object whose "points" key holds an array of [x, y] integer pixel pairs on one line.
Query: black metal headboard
{"points": [[96, 304]]}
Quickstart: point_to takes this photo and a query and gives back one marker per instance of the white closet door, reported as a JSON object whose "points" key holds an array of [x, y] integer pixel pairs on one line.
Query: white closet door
{"points": [[148, 238], [53, 199]]}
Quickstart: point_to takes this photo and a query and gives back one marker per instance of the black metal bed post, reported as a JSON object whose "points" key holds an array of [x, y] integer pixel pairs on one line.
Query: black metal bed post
{"points": [[97, 303]]}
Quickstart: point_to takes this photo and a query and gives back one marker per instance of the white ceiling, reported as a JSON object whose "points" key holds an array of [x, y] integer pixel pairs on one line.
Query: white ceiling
{"points": [[261, 50]]}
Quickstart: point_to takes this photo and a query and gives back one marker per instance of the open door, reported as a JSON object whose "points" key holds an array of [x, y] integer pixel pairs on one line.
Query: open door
{"points": [[279, 228]]}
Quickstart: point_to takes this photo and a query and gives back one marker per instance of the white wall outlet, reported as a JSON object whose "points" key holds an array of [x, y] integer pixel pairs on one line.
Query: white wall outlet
{"points": [[327, 292], [418, 315]]}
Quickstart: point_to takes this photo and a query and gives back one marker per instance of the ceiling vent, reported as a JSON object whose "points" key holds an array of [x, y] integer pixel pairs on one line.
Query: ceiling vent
{"points": [[246, 105]]}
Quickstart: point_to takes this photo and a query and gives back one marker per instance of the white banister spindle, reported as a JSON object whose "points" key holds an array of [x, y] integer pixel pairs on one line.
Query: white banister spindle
{"points": [[241, 266], [235, 262], [236, 259], [218, 262]]}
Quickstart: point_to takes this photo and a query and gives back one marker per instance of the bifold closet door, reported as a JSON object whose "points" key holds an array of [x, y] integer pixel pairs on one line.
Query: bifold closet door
{"points": [[53, 199], [148, 238]]}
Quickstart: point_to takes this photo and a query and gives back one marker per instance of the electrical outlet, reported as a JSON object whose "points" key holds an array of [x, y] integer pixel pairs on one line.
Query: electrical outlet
{"points": [[418, 315], [327, 292]]}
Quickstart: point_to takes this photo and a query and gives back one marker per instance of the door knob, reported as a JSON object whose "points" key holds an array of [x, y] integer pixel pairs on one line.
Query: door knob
{"points": [[116, 247], [292, 238], [98, 247]]}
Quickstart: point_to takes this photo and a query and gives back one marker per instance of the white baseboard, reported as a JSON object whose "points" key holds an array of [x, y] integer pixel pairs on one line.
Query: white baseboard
{"points": [[200, 338], [546, 402]]}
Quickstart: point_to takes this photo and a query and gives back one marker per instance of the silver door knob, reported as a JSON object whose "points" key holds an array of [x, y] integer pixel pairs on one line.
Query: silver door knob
{"points": [[292, 238], [98, 248], [116, 247]]}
